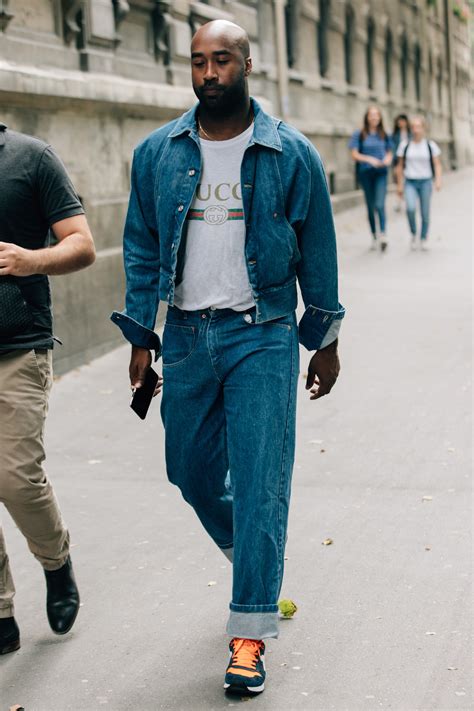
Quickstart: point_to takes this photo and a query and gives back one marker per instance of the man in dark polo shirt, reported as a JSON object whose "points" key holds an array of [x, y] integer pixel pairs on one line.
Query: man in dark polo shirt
{"points": [[36, 194]]}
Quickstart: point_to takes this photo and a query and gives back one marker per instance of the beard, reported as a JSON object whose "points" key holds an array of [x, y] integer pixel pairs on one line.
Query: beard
{"points": [[226, 99]]}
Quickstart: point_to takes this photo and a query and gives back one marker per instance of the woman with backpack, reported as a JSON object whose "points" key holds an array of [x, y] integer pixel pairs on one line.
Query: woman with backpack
{"points": [[401, 132], [420, 165], [371, 149]]}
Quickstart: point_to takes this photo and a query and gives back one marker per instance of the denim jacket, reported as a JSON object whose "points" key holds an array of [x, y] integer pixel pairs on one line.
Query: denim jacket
{"points": [[289, 228]]}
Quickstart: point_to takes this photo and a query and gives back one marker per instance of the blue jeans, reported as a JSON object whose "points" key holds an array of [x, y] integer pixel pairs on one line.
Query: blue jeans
{"points": [[228, 408], [414, 190], [374, 184]]}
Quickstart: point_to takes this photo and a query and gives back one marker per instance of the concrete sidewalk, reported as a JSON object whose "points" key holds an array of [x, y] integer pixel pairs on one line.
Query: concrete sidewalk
{"points": [[382, 468]]}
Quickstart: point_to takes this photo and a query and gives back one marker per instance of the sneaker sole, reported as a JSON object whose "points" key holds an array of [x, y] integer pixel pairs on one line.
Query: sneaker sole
{"points": [[242, 689]]}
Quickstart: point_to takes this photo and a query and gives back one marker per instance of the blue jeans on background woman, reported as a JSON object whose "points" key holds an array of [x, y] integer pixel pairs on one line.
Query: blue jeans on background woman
{"points": [[421, 189], [373, 182]]}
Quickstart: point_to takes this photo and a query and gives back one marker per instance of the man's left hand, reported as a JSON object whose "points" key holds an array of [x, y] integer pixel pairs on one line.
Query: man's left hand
{"points": [[323, 370], [16, 260]]}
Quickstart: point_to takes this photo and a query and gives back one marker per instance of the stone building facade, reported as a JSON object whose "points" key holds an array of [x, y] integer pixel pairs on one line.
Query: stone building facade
{"points": [[93, 77]]}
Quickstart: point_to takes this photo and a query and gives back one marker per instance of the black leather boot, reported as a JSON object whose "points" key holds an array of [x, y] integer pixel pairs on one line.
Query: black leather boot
{"points": [[62, 600], [9, 635]]}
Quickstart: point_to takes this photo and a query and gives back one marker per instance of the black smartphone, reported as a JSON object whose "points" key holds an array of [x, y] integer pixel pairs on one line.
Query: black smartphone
{"points": [[142, 396]]}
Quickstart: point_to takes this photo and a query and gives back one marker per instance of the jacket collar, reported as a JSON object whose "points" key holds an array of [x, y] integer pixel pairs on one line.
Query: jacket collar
{"points": [[265, 131]]}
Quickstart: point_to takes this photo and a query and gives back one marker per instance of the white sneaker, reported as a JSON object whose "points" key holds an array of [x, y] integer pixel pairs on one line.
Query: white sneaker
{"points": [[374, 243], [423, 246], [383, 242], [414, 244]]}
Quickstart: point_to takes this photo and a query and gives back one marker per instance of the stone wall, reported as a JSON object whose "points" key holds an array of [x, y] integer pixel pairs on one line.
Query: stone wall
{"points": [[93, 77]]}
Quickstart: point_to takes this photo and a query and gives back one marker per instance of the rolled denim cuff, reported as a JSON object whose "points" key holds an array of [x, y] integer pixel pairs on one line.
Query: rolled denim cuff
{"points": [[136, 334], [318, 327], [253, 625]]}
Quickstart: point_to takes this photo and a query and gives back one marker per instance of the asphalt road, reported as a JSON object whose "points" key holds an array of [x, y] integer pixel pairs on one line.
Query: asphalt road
{"points": [[383, 468]]}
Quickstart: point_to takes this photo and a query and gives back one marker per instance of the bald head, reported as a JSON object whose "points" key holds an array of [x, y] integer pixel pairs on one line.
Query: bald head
{"points": [[220, 66], [228, 33]]}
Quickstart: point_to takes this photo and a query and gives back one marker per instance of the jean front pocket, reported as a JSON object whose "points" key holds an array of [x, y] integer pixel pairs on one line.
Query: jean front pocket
{"points": [[178, 343]]}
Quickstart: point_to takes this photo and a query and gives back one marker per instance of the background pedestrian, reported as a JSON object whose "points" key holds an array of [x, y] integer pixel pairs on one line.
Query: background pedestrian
{"points": [[371, 149], [419, 165], [401, 132]]}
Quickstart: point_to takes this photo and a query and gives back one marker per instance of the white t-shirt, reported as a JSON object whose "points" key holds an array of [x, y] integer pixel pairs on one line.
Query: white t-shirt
{"points": [[417, 165], [215, 272]]}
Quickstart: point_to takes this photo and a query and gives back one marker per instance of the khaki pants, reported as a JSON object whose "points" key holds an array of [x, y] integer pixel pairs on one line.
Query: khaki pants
{"points": [[25, 382]]}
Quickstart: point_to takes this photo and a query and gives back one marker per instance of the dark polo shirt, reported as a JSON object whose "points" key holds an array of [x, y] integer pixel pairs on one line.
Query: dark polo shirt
{"points": [[35, 192]]}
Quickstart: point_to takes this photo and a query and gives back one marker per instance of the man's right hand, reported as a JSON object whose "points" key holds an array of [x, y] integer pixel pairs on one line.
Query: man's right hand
{"points": [[140, 361]]}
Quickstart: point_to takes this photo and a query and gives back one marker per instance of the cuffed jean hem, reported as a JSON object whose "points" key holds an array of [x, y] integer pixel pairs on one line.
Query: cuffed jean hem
{"points": [[252, 625]]}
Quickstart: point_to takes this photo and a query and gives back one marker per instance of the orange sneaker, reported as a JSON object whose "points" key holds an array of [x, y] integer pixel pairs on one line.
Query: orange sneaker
{"points": [[246, 669]]}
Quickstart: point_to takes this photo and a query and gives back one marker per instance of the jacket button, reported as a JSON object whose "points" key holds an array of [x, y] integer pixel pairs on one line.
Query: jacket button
{"points": [[252, 261], [275, 215], [192, 172], [248, 318], [180, 208]]}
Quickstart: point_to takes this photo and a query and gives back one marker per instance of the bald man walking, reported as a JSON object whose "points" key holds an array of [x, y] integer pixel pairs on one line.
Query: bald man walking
{"points": [[229, 207]]}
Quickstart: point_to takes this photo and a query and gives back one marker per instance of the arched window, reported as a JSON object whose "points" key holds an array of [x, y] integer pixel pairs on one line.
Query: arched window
{"points": [[388, 59], [348, 43], [291, 17], [370, 52], [404, 63], [417, 71], [323, 44]]}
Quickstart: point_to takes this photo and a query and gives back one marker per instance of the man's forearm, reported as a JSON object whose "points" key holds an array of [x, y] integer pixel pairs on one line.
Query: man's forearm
{"points": [[74, 252]]}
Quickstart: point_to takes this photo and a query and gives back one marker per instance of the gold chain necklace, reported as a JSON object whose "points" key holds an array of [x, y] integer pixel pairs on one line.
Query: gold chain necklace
{"points": [[200, 128]]}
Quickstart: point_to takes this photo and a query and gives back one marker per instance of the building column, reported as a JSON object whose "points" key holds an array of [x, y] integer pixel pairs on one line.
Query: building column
{"points": [[282, 58]]}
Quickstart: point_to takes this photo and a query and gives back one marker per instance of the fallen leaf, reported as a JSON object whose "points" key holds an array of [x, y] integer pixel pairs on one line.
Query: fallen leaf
{"points": [[322, 451], [430, 633], [452, 668], [315, 441], [327, 542], [451, 449], [17, 708], [287, 608], [427, 498], [460, 693], [296, 668], [211, 583], [94, 461]]}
